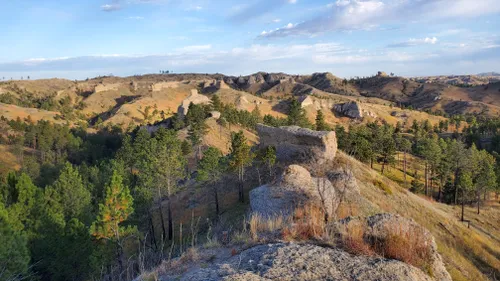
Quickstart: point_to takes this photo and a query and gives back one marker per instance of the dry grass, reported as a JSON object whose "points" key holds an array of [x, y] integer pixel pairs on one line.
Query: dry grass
{"points": [[308, 223], [474, 258], [353, 240], [410, 246], [260, 225]]}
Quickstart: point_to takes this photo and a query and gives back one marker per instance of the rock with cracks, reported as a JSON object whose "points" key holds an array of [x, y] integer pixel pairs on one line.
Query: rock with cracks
{"points": [[296, 144], [297, 188], [306, 262]]}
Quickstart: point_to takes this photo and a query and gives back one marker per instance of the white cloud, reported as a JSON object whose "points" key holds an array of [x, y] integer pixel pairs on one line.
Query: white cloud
{"points": [[415, 42], [196, 48], [135, 18], [359, 14], [292, 1], [110, 7], [276, 20], [298, 58]]}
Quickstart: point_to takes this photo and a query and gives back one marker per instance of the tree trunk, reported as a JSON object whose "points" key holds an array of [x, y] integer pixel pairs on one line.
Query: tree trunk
{"points": [[404, 168], [383, 166], [216, 197], [240, 187], [478, 201], [164, 230], [153, 235], [170, 221], [463, 203], [426, 180], [455, 184]]}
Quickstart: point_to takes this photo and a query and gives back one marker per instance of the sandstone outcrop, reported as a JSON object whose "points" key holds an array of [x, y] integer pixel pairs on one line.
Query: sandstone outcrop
{"points": [[215, 115], [106, 87], [164, 85], [296, 144], [297, 187], [194, 98], [353, 110]]}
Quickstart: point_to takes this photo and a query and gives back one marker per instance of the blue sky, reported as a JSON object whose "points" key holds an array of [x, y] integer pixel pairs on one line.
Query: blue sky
{"points": [[77, 39]]}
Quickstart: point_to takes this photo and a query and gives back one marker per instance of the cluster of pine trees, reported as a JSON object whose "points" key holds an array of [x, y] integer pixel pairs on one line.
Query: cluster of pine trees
{"points": [[82, 203], [455, 170]]}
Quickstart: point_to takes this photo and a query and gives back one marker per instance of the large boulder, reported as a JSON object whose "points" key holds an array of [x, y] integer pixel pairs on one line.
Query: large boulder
{"points": [[296, 144], [194, 98], [353, 110], [296, 187], [305, 262]]}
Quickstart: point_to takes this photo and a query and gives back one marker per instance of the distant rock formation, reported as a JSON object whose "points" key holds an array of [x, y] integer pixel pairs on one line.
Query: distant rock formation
{"points": [[296, 144], [215, 115], [164, 85], [194, 98], [106, 87], [353, 110]]}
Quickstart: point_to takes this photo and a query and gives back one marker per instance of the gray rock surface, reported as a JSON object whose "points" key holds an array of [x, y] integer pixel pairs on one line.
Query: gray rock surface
{"points": [[296, 188], [296, 144], [305, 262], [353, 110]]}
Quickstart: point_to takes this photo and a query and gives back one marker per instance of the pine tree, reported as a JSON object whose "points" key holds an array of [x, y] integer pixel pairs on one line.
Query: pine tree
{"points": [[240, 158], [269, 158], [320, 122], [72, 194], [14, 255], [116, 208], [210, 170], [297, 115]]}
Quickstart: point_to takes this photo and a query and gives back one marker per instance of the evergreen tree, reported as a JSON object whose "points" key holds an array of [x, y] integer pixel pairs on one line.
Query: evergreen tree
{"points": [[116, 208], [210, 170], [320, 122], [297, 115], [240, 158], [269, 158], [14, 255], [73, 196]]}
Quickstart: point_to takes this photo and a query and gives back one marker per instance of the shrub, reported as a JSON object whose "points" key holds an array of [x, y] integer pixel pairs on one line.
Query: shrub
{"points": [[382, 186]]}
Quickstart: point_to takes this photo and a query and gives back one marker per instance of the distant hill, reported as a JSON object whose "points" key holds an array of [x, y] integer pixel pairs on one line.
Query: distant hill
{"points": [[124, 101], [487, 74]]}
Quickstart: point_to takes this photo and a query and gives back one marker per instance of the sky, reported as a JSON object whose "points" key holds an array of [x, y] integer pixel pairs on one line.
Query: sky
{"points": [[78, 39]]}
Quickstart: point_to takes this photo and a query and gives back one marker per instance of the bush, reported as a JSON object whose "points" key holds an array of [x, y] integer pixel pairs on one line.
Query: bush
{"points": [[382, 186]]}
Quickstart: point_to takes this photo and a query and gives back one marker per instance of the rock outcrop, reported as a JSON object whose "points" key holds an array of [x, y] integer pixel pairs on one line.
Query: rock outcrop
{"points": [[296, 144], [164, 85], [106, 87], [194, 98], [305, 262], [353, 110], [297, 187]]}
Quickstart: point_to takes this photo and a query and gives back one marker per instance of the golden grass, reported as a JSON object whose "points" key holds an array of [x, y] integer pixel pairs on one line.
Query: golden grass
{"points": [[468, 253]]}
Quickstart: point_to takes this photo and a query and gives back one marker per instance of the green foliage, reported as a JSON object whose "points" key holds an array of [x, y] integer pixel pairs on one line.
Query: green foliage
{"points": [[320, 122], [113, 211], [297, 115], [14, 255], [71, 194], [211, 166], [240, 158]]}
